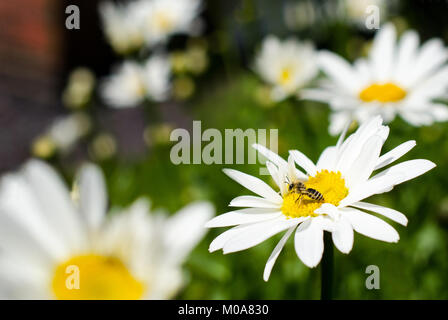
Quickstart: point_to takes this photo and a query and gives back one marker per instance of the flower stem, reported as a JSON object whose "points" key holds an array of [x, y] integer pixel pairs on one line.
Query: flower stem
{"points": [[327, 268]]}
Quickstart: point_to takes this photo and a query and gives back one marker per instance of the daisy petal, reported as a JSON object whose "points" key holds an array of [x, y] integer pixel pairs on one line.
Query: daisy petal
{"points": [[253, 184], [338, 69], [327, 159], [364, 164], [309, 242], [270, 155], [382, 53], [370, 187], [395, 154], [370, 226], [407, 170], [92, 195], [275, 174], [258, 233], [304, 162], [392, 214], [343, 235], [255, 202], [243, 216], [54, 199], [275, 253], [219, 242]]}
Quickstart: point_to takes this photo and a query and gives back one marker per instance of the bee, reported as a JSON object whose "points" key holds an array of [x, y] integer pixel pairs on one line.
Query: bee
{"points": [[300, 188]]}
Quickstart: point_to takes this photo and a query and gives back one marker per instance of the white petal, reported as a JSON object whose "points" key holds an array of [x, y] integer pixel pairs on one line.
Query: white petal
{"points": [[343, 235], [382, 54], [253, 184], [352, 146], [370, 187], [387, 212], [292, 172], [243, 216], [339, 121], [255, 202], [30, 247], [370, 226], [328, 209], [339, 70], [22, 281], [92, 195], [185, 229], [394, 154], [439, 112], [407, 170], [219, 242], [54, 199], [304, 162], [364, 164], [309, 242], [270, 155], [275, 174], [19, 205], [258, 233], [407, 50], [275, 253], [431, 57], [327, 159]]}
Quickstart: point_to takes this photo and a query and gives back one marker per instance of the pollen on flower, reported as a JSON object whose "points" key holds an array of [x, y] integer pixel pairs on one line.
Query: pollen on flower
{"points": [[95, 277], [387, 92], [285, 76], [330, 184]]}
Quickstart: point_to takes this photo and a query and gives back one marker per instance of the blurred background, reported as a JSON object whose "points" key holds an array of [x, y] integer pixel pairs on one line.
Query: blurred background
{"points": [[50, 108]]}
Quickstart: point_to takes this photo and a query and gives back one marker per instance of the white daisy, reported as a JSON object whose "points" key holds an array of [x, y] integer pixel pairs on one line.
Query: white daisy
{"points": [[52, 246], [342, 176], [121, 25], [161, 19], [394, 79], [287, 66], [131, 83]]}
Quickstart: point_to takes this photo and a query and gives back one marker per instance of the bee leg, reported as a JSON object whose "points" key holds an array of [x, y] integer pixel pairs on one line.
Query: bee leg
{"points": [[299, 198]]}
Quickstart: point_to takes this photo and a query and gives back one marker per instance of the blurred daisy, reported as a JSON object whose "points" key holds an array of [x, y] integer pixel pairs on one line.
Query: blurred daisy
{"points": [[395, 79], [342, 176], [287, 66], [62, 135], [55, 247], [164, 18], [121, 26], [131, 83]]}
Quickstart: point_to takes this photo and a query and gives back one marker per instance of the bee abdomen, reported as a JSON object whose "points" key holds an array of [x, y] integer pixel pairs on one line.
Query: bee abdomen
{"points": [[314, 194]]}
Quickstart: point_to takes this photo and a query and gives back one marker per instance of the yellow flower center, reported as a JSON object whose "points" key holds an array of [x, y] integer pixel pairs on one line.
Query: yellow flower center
{"points": [[330, 184], [95, 277], [387, 92], [285, 76]]}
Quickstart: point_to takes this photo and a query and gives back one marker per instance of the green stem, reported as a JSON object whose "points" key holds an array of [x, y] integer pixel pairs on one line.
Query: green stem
{"points": [[327, 268]]}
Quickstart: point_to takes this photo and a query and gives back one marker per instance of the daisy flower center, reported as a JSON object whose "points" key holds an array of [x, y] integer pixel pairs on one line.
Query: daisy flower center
{"points": [[91, 276], [285, 76], [387, 92], [330, 184]]}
